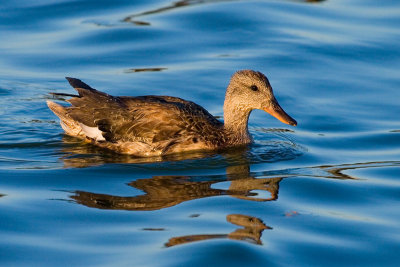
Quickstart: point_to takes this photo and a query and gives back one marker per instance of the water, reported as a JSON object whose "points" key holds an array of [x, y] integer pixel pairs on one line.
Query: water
{"points": [[324, 193]]}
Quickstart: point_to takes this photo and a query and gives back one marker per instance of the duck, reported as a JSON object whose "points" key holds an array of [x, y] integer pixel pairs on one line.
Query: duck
{"points": [[154, 125]]}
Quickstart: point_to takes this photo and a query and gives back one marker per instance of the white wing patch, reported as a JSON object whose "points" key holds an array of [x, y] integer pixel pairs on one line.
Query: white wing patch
{"points": [[92, 132]]}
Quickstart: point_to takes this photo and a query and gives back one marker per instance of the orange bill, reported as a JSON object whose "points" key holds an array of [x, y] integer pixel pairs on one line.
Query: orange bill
{"points": [[275, 110]]}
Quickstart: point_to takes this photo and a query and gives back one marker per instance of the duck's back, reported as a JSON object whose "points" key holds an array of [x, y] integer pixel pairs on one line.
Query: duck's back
{"points": [[142, 125]]}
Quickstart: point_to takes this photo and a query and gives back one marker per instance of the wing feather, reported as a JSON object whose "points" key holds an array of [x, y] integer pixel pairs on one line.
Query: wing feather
{"points": [[147, 119]]}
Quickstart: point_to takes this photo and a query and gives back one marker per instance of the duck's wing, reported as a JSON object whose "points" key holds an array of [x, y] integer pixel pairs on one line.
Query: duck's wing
{"points": [[147, 119]]}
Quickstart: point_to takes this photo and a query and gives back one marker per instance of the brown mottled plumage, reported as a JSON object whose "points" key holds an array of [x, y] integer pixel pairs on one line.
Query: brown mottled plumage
{"points": [[159, 125]]}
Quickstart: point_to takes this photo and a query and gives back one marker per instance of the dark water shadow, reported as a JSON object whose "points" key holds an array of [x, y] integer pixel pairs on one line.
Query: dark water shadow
{"points": [[133, 70], [180, 4], [173, 6], [310, 1], [250, 231], [136, 18]]}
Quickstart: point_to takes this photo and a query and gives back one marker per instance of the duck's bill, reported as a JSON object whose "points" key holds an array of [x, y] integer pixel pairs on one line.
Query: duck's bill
{"points": [[276, 111]]}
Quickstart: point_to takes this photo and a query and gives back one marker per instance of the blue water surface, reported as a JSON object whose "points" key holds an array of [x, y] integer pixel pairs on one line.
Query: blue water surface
{"points": [[324, 193]]}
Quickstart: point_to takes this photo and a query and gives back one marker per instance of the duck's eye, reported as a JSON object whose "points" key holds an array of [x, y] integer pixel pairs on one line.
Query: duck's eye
{"points": [[254, 87]]}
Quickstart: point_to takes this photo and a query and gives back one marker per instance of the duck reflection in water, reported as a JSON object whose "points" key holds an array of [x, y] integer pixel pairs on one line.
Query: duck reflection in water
{"points": [[166, 191], [251, 231]]}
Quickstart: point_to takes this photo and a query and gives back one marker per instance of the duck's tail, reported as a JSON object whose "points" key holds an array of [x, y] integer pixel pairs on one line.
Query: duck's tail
{"points": [[70, 126]]}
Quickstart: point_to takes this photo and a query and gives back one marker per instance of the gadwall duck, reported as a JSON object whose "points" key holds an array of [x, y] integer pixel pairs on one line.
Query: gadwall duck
{"points": [[159, 125]]}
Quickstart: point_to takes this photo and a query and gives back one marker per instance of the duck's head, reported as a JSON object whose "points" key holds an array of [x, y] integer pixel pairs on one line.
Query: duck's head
{"points": [[250, 90]]}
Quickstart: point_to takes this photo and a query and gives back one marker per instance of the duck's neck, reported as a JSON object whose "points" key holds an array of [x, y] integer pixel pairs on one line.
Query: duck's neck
{"points": [[235, 124]]}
